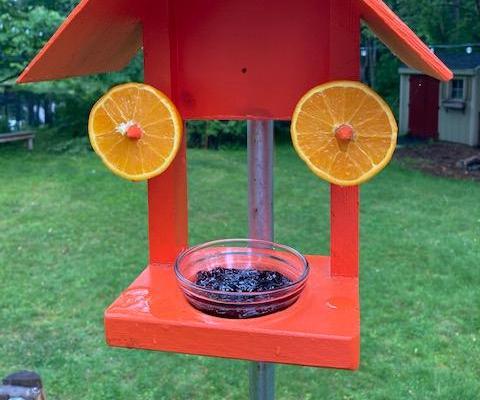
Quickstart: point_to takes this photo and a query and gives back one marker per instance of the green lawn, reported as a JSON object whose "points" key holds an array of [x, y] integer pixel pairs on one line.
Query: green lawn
{"points": [[72, 236]]}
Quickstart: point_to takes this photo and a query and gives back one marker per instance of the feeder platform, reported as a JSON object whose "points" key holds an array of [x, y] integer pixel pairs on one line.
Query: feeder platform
{"points": [[321, 329]]}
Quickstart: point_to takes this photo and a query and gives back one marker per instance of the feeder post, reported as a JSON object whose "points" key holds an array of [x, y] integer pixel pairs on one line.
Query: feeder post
{"points": [[260, 224]]}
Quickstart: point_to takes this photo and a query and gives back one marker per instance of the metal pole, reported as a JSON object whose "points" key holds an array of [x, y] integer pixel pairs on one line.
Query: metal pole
{"points": [[260, 224]]}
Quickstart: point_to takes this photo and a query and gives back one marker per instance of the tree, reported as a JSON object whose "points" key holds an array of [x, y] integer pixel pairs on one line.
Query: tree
{"points": [[25, 25]]}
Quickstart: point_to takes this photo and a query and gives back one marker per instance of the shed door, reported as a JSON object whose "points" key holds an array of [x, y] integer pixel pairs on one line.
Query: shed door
{"points": [[423, 107]]}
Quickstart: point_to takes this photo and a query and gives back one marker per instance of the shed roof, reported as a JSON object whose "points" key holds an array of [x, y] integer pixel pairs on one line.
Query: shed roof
{"points": [[459, 59], [103, 35]]}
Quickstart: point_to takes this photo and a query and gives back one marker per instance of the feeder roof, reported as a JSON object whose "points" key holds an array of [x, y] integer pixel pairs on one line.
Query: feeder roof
{"points": [[103, 36], [98, 36], [401, 40]]}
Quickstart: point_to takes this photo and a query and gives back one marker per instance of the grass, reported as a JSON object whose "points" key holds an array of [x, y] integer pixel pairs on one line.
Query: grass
{"points": [[73, 236]]}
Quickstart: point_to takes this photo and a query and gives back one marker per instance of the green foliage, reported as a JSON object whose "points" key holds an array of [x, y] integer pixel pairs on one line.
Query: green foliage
{"points": [[442, 21], [4, 127], [216, 134], [228, 134], [387, 81], [25, 25], [24, 28]]}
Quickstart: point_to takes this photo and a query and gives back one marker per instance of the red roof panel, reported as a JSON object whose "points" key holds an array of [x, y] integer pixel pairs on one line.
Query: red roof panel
{"points": [[103, 35], [98, 36], [403, 42]]}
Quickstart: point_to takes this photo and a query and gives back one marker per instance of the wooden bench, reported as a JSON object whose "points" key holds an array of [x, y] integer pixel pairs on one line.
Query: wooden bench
{"points": [[14, 136]]}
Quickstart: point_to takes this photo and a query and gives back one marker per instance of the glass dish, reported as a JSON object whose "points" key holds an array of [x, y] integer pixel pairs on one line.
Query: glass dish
{"points": [[246, 255]]}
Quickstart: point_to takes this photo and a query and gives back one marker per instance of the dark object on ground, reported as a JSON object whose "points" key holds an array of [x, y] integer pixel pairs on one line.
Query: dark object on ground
{"points": [[13, 137], [23, 378], [25, 385], [241, 280], [439, 158], [470, 164]]}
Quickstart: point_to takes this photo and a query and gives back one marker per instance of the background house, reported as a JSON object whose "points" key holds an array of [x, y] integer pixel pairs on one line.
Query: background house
{"points": [[443, 110]]}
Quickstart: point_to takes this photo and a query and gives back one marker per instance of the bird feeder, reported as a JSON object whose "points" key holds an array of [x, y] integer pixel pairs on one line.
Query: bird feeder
{"points": [[227, 59]]}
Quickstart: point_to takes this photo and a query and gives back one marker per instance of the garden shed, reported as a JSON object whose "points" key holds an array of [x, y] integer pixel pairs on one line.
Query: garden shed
{"points": [[448, 111]]}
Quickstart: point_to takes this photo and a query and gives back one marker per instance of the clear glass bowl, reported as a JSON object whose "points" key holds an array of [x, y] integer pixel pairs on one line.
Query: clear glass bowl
{"points": [[241, 254]]}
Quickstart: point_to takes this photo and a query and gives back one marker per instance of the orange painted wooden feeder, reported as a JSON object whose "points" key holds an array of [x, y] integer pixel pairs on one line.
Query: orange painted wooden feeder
{"points": [[228, 59]]}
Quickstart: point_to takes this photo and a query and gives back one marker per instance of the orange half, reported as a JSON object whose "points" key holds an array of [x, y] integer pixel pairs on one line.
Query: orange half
{"points": [[344, 132], [136, 130]]}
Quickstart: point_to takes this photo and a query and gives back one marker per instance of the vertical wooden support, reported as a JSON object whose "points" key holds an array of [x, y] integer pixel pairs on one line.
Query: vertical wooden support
{"points": [[167, 193], [167, 211], [344, 230], [344, 61]]}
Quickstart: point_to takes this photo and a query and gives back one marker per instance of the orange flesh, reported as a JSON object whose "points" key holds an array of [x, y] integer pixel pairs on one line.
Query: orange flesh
{"points": [[344, 132], [136, 130]]}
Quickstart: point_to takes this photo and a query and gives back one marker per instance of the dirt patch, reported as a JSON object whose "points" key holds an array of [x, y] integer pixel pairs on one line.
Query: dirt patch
{"points": [[437, 158]]}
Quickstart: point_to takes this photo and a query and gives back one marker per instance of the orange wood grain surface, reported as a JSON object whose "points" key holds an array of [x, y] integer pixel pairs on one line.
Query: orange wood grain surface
{"points": [[344, 201], [344, 230], [167, 193], [321, 329], [98, 36], [403, 42]]}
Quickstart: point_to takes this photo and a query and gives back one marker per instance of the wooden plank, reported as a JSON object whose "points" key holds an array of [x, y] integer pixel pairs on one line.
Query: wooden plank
{"points": [[103, 35], [98, 36], [344, 225], [344, 40], [344, 202], [248, 59], [18, 138], [167, 193], [403, 42], [321, 329], [17, 134]]}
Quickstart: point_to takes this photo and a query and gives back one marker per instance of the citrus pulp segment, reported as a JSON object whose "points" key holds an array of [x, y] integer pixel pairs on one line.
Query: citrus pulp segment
{"points": [[136, 130], [344, 132]]}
